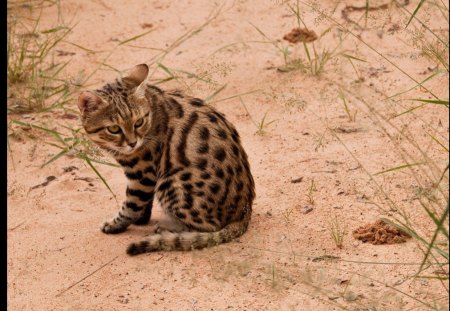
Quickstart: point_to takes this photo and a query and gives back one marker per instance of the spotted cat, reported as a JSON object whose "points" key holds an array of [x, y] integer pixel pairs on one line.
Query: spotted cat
{"points": [[177, 149]]}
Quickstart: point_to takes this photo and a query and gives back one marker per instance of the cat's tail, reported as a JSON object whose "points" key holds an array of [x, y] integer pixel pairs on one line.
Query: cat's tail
{"points": [[189, 240]]}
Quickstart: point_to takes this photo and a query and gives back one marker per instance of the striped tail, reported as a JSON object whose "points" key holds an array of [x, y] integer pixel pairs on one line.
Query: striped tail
{"points": [[184, 241]]}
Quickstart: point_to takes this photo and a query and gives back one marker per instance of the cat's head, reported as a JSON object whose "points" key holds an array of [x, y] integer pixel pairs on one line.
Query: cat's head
{"points": [[117, 116]]}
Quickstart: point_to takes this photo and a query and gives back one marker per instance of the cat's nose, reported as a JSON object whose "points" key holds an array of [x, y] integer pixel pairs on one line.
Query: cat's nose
{"points": [[132, 144]]}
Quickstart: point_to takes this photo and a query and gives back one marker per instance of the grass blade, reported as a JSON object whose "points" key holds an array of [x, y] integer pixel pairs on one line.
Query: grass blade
{"points": [[57, 156], [398, 168], [166, 70], [420, 84], [55, 29], [88, 161], [164, 80], [414, 13], [135, 37], [307, 53], [234, 96], [412, 233], [105, 163], [436, 220], [54, 145], [439, 225], [52, 132], [406, 111], [193, 75], [268, 39], [431, 101], [438, 142], [83, 48], [208, 99], [353, 57]]}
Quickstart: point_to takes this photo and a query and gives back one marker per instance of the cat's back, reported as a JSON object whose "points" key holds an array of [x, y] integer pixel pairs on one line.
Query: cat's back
{"points": [[204, 146], [204, 134]]}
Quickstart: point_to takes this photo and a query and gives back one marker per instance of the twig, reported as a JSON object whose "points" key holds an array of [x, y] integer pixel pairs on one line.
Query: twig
{"points": [[331, 171], [15, 227], [306, 160], [90, 274], [354, 168], [297, 180], [45, 183], [87, 179]]}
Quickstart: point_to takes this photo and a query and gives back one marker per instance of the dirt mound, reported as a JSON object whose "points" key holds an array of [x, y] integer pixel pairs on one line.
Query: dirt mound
{"points": [[380, 233], [300, 35]]}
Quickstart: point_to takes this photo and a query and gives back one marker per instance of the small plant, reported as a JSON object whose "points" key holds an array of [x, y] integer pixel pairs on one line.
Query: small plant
{"points": [[32, 74], [312, 62], [351, 58], [320, 140], [274, 282], [293, 102], [351, 116], [293, 65], [314, 65], [317, 64], [310, 194], [435, 49], [338, 230], [287, 215], [261, 125], [16, 55], [272, 278], [437, 52]]}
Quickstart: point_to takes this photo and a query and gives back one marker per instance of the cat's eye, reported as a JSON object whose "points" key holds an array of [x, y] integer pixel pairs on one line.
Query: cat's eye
{"points": [[114, 129], [139, 122]]}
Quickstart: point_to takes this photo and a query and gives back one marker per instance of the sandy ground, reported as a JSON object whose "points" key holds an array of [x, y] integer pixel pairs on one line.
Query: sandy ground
{"points": [[59, 260]]}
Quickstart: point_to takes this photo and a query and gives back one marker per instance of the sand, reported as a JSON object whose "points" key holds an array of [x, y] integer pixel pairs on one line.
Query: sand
{"points": [[304, 165]]}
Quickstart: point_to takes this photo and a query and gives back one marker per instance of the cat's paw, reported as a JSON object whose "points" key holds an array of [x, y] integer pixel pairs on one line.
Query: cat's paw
{"points": [[110, 227]]}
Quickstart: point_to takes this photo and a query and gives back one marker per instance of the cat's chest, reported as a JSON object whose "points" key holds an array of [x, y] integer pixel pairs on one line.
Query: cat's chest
{"points": [[143, 164]]}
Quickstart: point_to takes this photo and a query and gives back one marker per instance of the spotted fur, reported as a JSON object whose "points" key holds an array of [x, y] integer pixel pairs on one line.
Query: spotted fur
{"points": [[177, 149]]}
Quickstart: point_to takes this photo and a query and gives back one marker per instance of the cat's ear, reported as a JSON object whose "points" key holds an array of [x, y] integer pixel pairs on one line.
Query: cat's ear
{"points": [[137, 75], [88, 101]]}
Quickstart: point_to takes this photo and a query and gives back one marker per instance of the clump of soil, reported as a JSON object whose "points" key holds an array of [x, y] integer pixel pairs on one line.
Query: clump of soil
{"points": [[380, 233], [300, 35]]}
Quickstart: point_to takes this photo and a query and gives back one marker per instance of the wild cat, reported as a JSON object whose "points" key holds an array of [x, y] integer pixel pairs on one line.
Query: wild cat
{"points": [[178, 149]]}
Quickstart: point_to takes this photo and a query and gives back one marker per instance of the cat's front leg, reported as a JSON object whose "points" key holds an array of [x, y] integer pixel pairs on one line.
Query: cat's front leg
{"points": [[136, 209]]}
